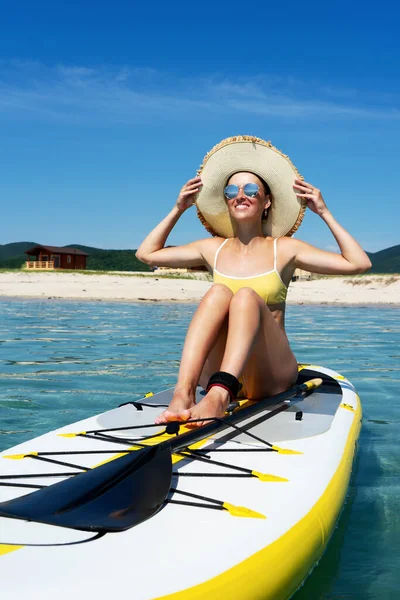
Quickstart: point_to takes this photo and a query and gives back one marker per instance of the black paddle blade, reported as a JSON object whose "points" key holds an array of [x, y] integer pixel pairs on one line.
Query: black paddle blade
{"points": [[113, 497]]}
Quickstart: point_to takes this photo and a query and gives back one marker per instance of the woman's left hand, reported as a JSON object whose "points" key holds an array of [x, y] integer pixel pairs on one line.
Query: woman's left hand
{"points": [[315, 201]]}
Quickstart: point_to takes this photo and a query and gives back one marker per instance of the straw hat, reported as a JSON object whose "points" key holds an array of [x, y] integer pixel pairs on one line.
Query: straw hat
{"points": [[248, 153]]}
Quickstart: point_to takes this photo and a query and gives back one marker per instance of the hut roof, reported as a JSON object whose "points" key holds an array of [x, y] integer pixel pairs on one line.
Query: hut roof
{"points": [[56, 250]]}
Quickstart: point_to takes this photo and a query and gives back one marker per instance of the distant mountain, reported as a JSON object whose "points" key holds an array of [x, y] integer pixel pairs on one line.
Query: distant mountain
{"points": [[15, 249], [111, 260], [385, 261], [12, 257]]}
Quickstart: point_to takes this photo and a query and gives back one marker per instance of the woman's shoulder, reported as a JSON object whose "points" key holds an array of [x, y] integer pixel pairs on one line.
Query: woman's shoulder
{"points": [[282, 243], [286, 247], [208, 247], [290, 247], [210, 243]]}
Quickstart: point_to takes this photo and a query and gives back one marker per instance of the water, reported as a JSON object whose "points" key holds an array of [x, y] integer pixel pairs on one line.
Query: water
{"points": [[64, 361]]}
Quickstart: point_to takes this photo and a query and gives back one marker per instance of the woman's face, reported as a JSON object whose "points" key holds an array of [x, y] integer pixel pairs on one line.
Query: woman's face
{"points": [[242, 207]]}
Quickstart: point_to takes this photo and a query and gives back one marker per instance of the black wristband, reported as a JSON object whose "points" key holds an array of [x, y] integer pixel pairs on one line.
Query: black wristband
{"points": [[227, 381]]}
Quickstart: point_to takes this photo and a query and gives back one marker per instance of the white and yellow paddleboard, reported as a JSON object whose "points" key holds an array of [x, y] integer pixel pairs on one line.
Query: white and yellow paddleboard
{"points": [[249, 514]]}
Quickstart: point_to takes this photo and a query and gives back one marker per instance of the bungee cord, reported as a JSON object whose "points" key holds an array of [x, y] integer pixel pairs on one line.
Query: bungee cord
{"points": [[169, 441]]}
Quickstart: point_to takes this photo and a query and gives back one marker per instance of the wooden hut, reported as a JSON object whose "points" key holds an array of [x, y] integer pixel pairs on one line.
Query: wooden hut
{"points": [[53, 257]]}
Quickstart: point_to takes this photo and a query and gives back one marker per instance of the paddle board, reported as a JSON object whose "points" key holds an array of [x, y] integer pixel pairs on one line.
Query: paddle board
{"points": [[247, 515]]}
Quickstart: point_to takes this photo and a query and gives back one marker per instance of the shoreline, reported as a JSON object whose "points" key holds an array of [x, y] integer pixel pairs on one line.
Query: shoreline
{"points": [[366, 290], [72, 300]]}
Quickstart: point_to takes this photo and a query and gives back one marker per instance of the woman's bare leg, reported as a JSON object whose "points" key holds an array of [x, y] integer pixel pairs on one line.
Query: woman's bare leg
{"points": [[266, 362], [201, 336], [255, 346]]}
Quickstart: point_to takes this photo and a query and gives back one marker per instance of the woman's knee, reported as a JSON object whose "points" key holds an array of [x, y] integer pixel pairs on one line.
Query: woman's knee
{"points": [[218, 294], [246, 296]]}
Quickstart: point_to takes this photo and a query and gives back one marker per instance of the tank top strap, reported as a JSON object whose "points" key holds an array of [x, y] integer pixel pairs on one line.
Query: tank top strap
{"points": [[275, 254], [217, 252]]}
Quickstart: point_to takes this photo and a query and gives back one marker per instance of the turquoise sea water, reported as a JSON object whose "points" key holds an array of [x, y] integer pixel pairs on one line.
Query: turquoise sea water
{"points": [[63, 361]]}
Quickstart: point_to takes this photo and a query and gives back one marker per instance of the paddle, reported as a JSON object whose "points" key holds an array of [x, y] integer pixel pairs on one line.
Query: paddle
{"points": [[125, 492]]}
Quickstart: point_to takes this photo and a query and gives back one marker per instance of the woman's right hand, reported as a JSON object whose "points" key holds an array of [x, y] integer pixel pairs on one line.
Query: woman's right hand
{"points": [[188, 193]]}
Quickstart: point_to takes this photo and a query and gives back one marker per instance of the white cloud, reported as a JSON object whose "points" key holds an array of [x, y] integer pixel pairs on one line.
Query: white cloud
{"points": [[127, 95]]}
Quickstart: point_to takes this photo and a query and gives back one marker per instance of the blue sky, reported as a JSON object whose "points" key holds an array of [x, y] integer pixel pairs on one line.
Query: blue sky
{"points": [[107, 108]]}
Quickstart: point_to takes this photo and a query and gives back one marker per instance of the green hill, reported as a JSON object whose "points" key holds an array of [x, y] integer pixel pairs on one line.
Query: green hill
{"points": [[16, 249], [12, 257], [111, 260], [385, 261]]}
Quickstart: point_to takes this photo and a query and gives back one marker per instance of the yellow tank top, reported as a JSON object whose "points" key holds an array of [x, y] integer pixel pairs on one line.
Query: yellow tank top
{"points": [[269, 286]]}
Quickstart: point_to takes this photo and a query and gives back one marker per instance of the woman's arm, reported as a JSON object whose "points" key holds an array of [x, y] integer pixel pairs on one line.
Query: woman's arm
{"points": [[152, 252], [352, 259]]}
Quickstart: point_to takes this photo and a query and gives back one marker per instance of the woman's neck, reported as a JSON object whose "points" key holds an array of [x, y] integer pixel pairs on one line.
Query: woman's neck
{"points": [[245, 233]]}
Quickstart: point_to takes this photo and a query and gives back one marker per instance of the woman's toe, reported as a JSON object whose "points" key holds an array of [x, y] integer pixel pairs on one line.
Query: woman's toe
{"points": [[170, 415]]}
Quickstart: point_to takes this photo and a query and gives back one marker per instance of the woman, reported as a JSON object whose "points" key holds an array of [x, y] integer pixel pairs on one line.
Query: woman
{"points": [[251, 198]]}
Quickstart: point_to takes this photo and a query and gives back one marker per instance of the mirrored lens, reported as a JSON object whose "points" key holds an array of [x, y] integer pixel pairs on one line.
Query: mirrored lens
{"points": [[231, 191], [251, 190]]}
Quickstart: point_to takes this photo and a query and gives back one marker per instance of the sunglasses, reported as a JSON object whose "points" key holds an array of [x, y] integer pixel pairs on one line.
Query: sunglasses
{"points": [[249, 189]]}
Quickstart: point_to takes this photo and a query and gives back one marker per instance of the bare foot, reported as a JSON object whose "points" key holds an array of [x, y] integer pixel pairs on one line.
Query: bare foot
{"points": [[214, 404], [179, 408]]}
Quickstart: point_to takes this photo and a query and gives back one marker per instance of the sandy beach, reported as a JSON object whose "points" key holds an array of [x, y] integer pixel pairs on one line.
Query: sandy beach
{"points": [[367, 289]]}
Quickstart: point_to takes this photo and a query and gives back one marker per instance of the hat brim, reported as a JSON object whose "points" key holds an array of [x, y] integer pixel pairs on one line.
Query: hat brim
{"points": [[241, 154]]}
